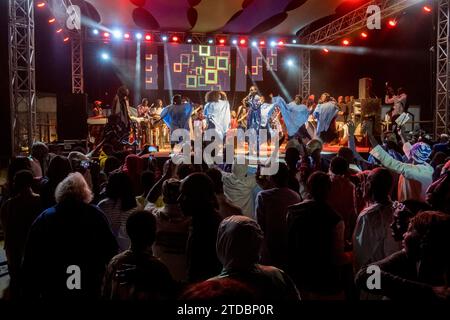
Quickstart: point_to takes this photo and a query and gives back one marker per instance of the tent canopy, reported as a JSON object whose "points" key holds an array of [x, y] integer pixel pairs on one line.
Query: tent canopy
{"points": [[255, 17]]}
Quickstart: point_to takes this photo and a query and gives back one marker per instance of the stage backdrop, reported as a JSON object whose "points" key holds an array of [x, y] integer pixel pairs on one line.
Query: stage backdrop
{"points": [[197, 67]]}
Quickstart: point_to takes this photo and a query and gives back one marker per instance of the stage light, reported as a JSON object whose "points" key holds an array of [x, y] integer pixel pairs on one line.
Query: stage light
{"points": [[222, 41], [427, 9], [281, 43], [242, 41], [52, 20], [95, 31], [66, 39], [392, 23], [59, 30], [138, 35], [273, 43], [175, 39], [346, 42], [164, 38], [262, 43], [210, 41], [326, 50], [364, 35], [40, 4], [294, 41], [234, 41], [126, 36], [254, 44], [117, 34], [189, 40], [106, 34], [105, 56], [148, 37], [290, 63]]}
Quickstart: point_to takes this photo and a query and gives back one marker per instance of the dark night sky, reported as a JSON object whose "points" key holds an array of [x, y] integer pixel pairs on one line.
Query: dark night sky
{"points": [[336, 73]]}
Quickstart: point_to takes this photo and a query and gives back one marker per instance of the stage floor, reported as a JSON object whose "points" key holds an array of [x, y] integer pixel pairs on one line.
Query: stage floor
{"points": [[327, 150]]}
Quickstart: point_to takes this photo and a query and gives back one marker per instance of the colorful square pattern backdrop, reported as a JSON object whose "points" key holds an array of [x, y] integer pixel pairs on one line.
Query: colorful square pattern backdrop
{"points": [[241, 69], [197, 67], [151, 69]]}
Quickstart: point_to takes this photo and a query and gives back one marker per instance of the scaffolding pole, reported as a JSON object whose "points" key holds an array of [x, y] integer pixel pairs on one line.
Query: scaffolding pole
{"points": [[442, 69], [22, 85]]}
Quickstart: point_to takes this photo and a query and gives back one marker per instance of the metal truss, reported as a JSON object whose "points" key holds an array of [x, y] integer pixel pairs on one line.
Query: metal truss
{"points": [[61, 8], [22, 86], [442, 110], [355, 20], [305, 73], [77, 63]]}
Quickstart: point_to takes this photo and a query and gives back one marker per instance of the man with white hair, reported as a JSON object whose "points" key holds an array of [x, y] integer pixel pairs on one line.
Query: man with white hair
{"points": [[70, 239]]}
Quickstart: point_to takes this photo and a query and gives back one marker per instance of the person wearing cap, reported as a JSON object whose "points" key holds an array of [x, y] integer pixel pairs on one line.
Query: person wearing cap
{"points": [[415, 177]]}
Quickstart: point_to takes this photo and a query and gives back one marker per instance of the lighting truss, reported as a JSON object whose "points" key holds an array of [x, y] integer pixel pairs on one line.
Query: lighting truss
{"points": [[305, 73], [355, 20], [22, 86], [442, 111]]}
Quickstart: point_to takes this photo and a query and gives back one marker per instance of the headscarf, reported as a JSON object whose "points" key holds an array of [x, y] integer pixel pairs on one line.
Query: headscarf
{"points": [[239, 242], [420, 152]]}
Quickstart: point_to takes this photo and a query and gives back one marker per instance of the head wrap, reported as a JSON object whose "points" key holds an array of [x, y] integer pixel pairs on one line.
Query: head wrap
{"points": [[420, 152], [239, 241]]}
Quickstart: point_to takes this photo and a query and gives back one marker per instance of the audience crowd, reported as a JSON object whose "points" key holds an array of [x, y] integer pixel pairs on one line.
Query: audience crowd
{"points": [[141, 229]]}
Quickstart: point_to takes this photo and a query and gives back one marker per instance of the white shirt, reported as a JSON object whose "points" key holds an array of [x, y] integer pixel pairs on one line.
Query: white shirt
{"points": [[414, 179]]}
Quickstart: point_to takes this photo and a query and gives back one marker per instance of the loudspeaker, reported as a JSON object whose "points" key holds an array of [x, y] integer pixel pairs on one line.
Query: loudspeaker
{"points": [[72, 117], [365, 88]]}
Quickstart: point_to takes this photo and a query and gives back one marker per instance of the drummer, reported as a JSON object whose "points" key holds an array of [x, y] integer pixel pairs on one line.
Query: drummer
{"points": [[143, 109]]}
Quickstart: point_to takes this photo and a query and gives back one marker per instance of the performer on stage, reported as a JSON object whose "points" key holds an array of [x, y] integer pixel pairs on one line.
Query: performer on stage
{"points": [[325, 113], [120, 107], [303, 112], [177, 115], [253, 104], [143, 109], [97, 110], [399, 101], [217, 112], [159, 129]]}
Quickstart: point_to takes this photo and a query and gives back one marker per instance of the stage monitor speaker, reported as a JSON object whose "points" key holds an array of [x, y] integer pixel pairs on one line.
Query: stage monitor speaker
{"points": [[72, 117], [365, 88]]}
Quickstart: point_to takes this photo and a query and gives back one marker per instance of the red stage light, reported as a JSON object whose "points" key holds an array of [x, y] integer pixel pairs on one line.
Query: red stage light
{"points": [[281, 43], [427, 9], [326, 50], [66, 39], [222, 41], [51, 20], [242, 41], [106, 34], [148, 37], [345, 42], [59, 30], [174, 38], [392, 23], [41, 4], [364, 35], [126, 36], [262, 43]]}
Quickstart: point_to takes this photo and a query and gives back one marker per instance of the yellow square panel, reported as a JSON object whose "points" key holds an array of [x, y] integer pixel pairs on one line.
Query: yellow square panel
{"points": [[204, 51], [211, 76], [211, 63]]}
